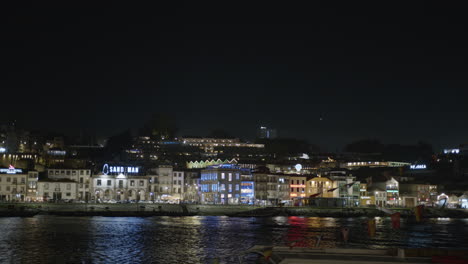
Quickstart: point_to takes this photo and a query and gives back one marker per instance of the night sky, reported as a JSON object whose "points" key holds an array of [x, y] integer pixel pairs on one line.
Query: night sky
{"points": [[397, 73]]}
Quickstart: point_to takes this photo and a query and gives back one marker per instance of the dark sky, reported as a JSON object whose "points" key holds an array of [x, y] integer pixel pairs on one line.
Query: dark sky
{"points": [[397, 73]]}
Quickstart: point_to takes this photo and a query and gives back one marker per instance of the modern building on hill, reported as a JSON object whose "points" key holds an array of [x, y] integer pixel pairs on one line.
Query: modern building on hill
{"points": [[210, 144], [374, 164], [267, 133]]}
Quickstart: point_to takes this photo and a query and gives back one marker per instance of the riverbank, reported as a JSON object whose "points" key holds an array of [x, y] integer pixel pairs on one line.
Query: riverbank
{"points": [[215, 210]]}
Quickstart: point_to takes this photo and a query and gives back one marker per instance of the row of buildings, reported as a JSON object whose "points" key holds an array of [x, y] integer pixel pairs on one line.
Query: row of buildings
{"points": [[216, 184]]}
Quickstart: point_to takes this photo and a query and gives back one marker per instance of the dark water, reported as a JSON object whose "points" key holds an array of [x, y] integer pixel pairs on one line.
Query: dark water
{"points": [[201, 239]]}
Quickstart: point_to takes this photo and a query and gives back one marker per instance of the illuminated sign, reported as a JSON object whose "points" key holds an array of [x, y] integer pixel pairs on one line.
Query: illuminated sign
{"points": [[418, 167], [297, 186], [298, 167], [2, 150], [106, 169], [11, 170], [392, 191], [451, 151], [365, 197]]}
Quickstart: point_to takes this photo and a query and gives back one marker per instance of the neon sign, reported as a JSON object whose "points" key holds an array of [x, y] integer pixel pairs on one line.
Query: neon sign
{"points": [[418, 167], [297, 186], [11, 170], [106, 169]]}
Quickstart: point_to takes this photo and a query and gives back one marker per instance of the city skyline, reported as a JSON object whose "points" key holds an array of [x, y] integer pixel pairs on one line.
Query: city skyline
{"points": [[330, 74]]}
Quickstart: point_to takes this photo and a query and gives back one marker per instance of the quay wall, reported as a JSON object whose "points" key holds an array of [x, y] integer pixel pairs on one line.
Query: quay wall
{"points": [[217, 210]]}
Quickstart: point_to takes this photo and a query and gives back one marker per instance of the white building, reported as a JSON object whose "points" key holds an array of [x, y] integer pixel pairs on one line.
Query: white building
{"points": [[32, 194], [56, 189], [80, 176], [120, 183], [162, 184], [13, 184]]}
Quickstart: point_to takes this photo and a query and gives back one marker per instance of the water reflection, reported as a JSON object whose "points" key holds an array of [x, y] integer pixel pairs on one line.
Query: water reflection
{"points": [[200, 239]]}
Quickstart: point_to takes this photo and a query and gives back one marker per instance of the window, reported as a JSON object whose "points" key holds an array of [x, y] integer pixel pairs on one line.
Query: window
{"points": [[81, 172], [109, 182], [57, 172], [98, 183], [132, 183], [292, 189], [8, 188], [180, 182], [160, 189], [81, 179], [68, 186], [222, 187], [237, 187], [297, 181], [302, 182], [230, 187], [62, 172], [46, 194], [297, 189], [68, 194], [87, 172], [46, 186], [237, 176], [230, 176], [68, 173], [120, 183], [8, 179], [175, 182], [223, 176], [142, 183], [23, 180], [74, 173]]}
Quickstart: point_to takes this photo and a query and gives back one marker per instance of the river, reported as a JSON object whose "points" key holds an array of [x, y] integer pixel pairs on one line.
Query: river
{"points": [[202, 239]]}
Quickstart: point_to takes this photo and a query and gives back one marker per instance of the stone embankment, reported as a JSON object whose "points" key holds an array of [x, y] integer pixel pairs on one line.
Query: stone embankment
{"points": [[149, 209]]}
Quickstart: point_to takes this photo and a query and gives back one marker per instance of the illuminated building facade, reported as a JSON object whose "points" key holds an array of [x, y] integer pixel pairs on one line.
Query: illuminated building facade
{"points": [[271, 189], [120, 183], [374, 164], [320, 186], [390, 185], [221, 184], [13, 186], [297, 187], [56, 189], [210, 144], [205, 163], [81, 176]]}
